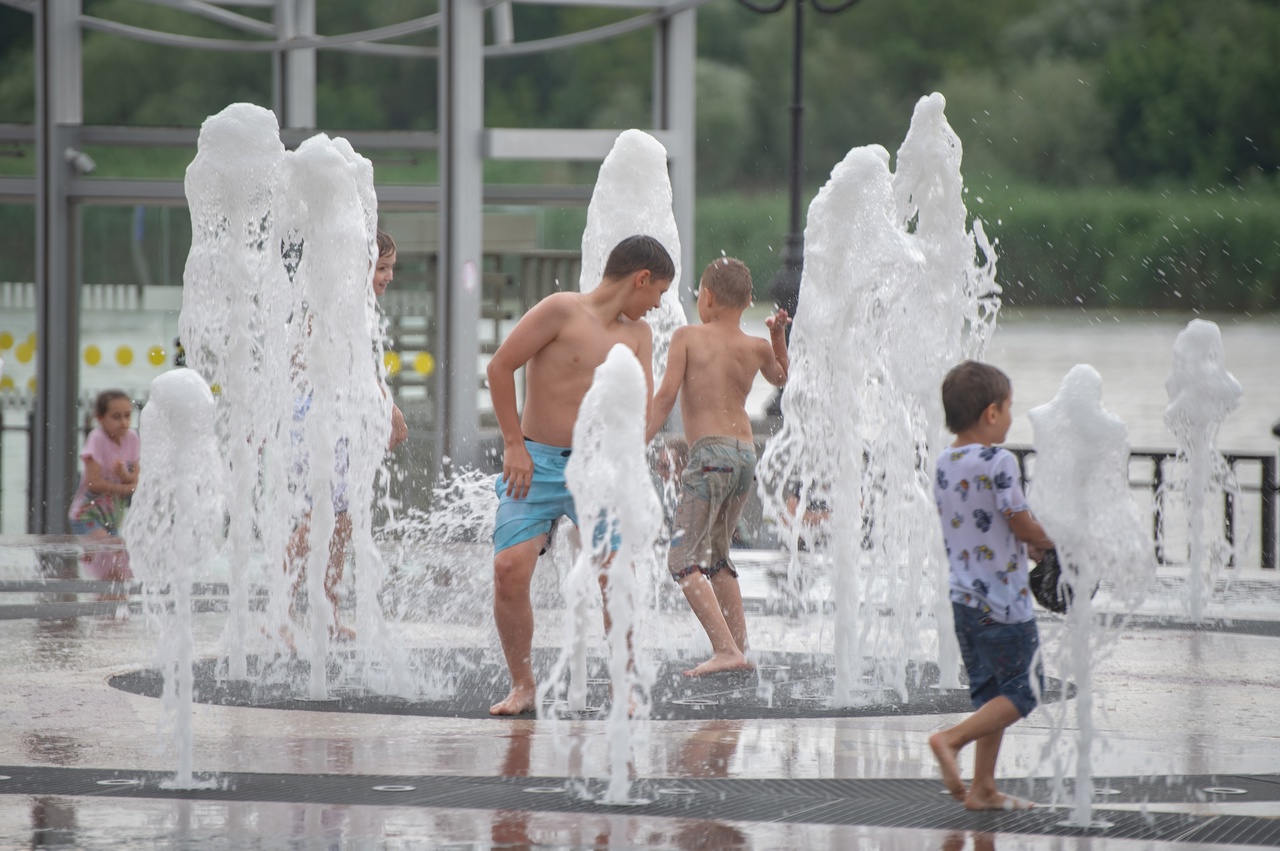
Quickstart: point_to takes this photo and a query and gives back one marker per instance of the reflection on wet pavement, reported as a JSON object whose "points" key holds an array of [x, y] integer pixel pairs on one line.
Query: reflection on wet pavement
{"points": [[1191, 749]]}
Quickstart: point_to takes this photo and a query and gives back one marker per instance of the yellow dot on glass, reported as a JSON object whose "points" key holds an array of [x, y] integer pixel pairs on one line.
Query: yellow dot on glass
{"points": [[215, 389], [392, 362], [124, 355], [31, 384], [6, 382], [92, 355], [31, 338], [6, 340], [155, 354], [424, 363], [25, 352]]}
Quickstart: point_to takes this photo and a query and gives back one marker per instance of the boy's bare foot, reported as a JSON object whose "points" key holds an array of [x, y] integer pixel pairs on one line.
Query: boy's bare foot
{"points": [[522, 699], [720, 663], [342, 633], [997, 801], [946, 757]]}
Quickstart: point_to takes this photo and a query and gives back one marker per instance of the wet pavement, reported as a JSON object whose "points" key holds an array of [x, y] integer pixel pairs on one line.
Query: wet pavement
{"points": [[1188, 753]]}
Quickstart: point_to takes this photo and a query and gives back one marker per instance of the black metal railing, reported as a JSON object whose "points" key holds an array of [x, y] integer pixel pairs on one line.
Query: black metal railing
{"points": [[1264, 485]]}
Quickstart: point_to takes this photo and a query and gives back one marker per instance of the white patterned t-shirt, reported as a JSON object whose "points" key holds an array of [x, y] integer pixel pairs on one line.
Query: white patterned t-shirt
{"points": [[977, 487]]}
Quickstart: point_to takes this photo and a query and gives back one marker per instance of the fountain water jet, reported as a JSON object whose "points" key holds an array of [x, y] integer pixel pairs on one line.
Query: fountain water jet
{"points": [[1201, 395], [1080, 493], [279, 315], [889, 265], [173, 528], [608, 459]]}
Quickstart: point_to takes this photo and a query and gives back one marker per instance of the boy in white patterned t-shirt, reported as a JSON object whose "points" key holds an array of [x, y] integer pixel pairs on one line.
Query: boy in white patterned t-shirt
{"points": [[985, 524]]}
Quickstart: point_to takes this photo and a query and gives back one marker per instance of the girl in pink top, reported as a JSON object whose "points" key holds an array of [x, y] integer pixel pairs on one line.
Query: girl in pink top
{"points": [[110, 457]]}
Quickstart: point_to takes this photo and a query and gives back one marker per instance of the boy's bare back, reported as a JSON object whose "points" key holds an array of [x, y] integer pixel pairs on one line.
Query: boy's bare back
{"points": [[712, 367]]}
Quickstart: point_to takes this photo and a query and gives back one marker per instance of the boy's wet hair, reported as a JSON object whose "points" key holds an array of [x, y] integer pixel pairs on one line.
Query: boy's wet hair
{"points": [[729, 280], [637, 253], [968, 390], [102, 403], [386, 244]]}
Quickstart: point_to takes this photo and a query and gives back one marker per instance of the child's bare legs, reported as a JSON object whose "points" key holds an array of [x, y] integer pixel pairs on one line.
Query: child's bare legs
{"points": [[986, 727], [295, 564], [513, 614], [603, 577], [730, 597], [333, 573], [704, 599]]}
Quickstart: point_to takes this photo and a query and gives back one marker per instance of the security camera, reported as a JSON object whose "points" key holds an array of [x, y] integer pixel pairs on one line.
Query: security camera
{"points": [[79, 160]]}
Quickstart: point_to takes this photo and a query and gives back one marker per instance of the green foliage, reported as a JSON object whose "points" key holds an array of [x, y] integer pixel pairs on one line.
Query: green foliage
{"points": [[1193, 96], [1203, 251]]}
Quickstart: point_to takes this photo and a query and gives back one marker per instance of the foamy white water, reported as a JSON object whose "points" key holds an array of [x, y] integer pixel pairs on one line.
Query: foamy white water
{"points": [[1201, 395], [279, 314], [632, 196], [173, 527], [608, 460], [1080, 493], [895, 290]]}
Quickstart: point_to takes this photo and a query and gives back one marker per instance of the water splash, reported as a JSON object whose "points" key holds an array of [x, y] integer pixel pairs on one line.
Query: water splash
{"points": [[173, 527], [608, 460], [279, 316], [632, 196], [1080, 493], [895, 290], [1202, 394]]}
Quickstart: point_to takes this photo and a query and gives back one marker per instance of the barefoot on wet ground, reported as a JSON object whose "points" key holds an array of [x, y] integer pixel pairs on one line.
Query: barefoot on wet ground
{"points": [[946, 756], [522, 699], [720, 663]]}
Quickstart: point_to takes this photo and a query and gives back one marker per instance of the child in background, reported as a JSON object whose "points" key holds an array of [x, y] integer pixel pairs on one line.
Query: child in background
{"points": [[110, 456], [299, 545], [711, 367], [985, 524]]}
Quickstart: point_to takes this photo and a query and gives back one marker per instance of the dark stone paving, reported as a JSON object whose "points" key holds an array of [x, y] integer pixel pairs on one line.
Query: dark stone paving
{"points": [[878, 803], [784, 686]]}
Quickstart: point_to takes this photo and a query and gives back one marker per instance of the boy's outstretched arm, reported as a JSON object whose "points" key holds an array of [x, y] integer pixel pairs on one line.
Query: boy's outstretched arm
{"points": [[1027, 528], [775, 369], [532, 333], [665, 399]]}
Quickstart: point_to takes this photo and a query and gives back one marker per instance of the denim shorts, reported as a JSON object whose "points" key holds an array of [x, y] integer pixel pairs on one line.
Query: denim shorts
{"points": [[999, 658]]}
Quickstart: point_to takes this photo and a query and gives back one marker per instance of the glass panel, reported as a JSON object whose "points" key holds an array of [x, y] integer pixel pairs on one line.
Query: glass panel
{"points": [[17, 350]]}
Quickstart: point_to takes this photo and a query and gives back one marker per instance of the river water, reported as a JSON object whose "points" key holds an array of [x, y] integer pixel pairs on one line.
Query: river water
{"points": [[1133, 351]]}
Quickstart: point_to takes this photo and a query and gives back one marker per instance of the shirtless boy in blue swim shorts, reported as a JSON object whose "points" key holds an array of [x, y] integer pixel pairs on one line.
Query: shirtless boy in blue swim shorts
{"points": [[711, 368], [560, 342]]}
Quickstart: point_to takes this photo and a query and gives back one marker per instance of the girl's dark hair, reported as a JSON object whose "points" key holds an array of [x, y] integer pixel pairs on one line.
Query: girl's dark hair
{"points": [[386, 244], [104, 399], [968, 390], [637, 253]]}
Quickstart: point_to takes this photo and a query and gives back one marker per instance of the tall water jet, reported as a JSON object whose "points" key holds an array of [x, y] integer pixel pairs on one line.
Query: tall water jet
{"points": [[341, 415], [173, 528], [1080, 493], [608, 460], [895, 290], [632, 196], [279, 315], [230, 312], [1202, 394]]}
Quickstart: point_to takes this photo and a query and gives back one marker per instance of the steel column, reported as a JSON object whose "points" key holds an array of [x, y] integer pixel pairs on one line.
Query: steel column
{"points": [[461, 131], [674, 95], [58, 111]]}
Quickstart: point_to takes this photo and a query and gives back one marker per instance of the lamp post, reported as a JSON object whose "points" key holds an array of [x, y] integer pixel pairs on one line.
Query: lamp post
{"points": [[785, 286]]}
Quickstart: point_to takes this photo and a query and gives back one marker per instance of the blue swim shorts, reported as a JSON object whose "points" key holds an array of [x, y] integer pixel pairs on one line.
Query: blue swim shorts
{"points": [[548, 500], [999, 658]]}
